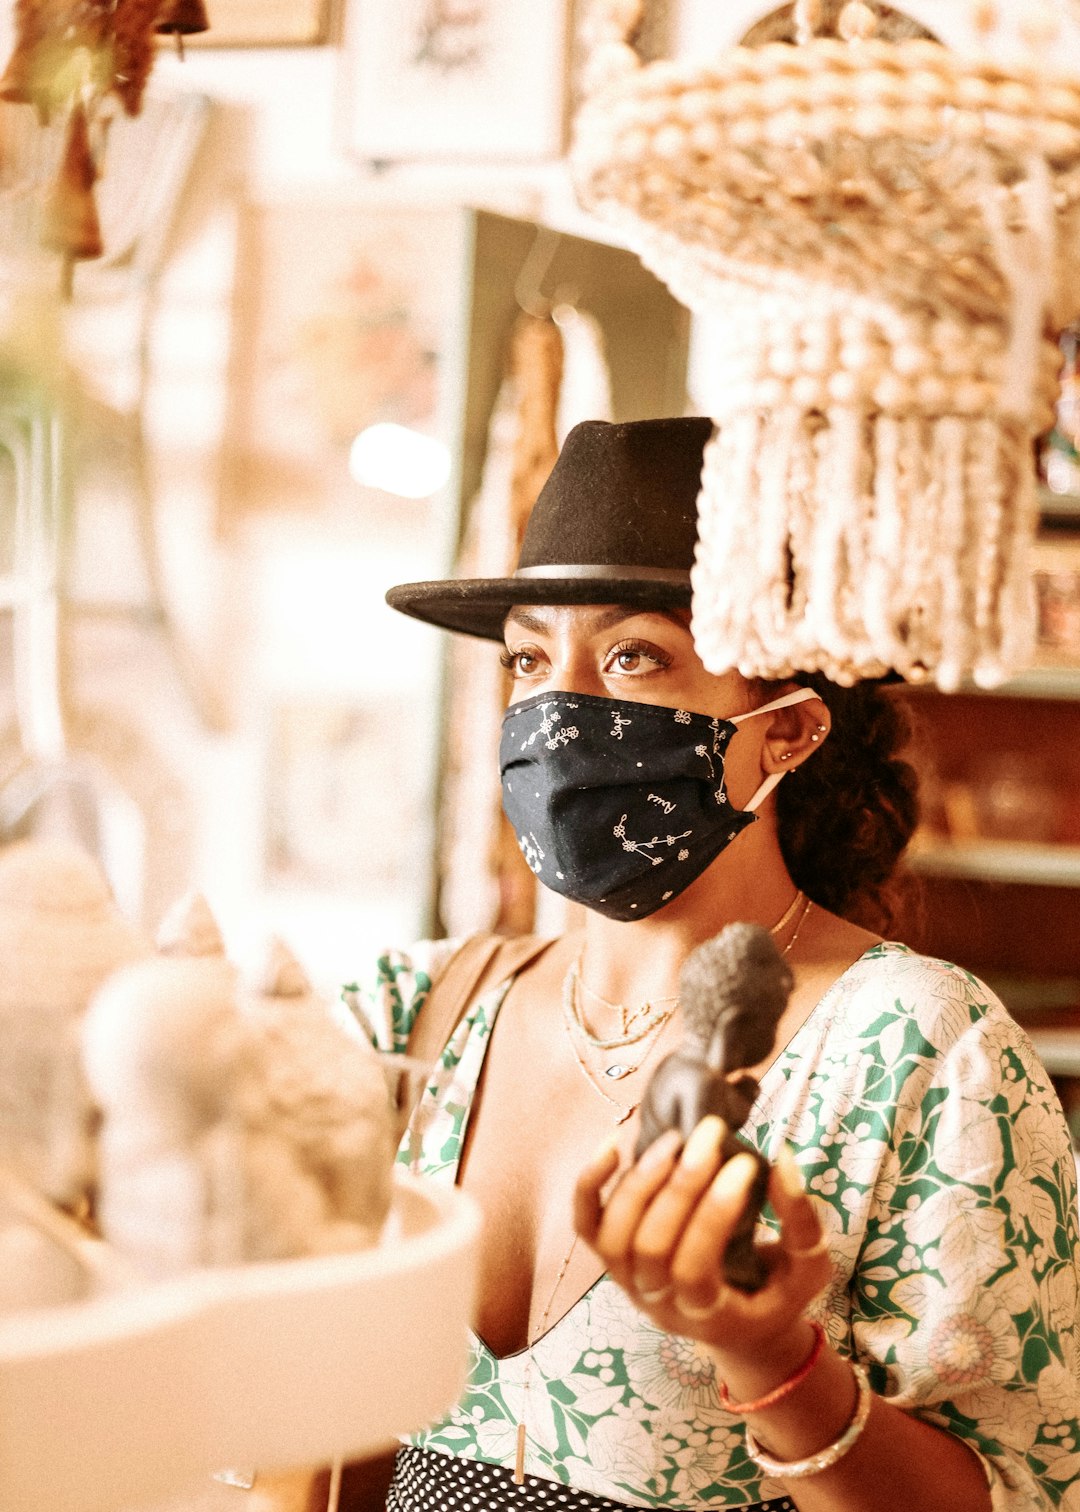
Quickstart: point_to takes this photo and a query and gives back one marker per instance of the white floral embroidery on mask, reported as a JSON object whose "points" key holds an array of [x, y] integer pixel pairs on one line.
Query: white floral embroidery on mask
{"points": [[644, 846], [550, 722], [562, 737], [533, 852], [703, 752]]}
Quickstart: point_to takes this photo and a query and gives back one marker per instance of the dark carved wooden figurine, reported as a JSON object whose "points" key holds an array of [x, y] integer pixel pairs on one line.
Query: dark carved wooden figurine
{"points": [[733, 990]]}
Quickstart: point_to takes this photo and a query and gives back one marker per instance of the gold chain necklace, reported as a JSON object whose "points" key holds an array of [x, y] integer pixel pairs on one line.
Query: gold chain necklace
{"points": [[519, 1455], [630, 1036], [621, 1067], [615, 1071], [788, 913], [808, 904], [628, 1017]]}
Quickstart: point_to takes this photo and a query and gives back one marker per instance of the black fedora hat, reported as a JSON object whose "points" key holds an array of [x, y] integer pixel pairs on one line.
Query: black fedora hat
{"points": [[615, 523]]}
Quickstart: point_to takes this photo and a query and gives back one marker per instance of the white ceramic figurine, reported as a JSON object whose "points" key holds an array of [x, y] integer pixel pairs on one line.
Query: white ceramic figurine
{"points": [[237, 1125], [61, 936]]}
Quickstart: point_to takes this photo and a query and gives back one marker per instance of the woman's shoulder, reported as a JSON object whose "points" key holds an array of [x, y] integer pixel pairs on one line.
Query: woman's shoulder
{"points": [[384, 998], [886, 964], [940, 1000], [912, 1042], [420, 963]]}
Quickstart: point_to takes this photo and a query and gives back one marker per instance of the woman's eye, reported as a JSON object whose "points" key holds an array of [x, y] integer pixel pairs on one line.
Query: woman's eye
{"points": [[632, 657], [519, 663]]}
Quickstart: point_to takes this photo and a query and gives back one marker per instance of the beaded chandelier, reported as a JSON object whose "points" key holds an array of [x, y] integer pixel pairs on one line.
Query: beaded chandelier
{"points": [[883, 229]]}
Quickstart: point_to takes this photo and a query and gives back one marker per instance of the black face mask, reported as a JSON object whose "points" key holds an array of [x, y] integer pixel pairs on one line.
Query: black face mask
{"points": [[621, 805]]}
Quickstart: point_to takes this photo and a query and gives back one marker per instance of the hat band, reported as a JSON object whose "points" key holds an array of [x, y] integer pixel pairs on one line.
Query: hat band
{"points": [[606, 573]]}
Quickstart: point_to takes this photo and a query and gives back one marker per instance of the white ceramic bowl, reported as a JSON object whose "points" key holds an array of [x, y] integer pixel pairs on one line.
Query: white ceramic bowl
{"points": [[139, 1394]]}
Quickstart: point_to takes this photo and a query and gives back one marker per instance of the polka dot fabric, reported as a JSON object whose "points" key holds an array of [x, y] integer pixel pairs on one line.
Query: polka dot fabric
{"points": [[428, 1482]]}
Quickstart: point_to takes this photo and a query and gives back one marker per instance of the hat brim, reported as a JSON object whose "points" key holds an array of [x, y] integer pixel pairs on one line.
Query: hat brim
{"points": [[479, 606]]}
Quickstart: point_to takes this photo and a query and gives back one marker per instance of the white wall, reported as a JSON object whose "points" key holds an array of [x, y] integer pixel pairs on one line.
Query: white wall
{"points": [[281, 607]]}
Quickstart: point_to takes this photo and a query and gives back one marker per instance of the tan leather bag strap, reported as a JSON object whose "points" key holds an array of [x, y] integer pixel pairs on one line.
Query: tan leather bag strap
{"points": [[481, 962]]}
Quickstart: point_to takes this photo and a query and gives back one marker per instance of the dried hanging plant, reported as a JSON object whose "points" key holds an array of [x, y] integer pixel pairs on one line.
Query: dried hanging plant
{"points": [[71, 58], [70, 224], [135, 24]]}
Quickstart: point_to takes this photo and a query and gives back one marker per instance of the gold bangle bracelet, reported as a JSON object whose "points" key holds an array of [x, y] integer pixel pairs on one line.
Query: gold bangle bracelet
{"points": [[825, 1458]]}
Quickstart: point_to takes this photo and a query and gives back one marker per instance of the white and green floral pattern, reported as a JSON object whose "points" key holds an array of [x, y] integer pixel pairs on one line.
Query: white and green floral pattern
{"points": [[922, 1119]]}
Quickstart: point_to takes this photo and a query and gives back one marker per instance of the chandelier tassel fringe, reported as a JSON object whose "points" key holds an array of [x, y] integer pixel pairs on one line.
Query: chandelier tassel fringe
{"points": [[882, 542], [879, 231]]}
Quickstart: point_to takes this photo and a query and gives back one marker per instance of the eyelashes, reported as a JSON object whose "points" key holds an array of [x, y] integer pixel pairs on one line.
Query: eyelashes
{"points": [[647, 649], [511, 659]]}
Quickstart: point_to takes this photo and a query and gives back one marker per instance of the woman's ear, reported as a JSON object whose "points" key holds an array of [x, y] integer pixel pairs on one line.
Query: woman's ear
{"points": [[794, 734]]}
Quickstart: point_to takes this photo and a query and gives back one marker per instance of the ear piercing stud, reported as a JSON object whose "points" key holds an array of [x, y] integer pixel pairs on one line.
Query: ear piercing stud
{"points": [[787, 755]]}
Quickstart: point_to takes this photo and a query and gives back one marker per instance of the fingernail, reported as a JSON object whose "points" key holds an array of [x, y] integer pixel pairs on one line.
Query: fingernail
{"points": [[703, 1146], [661, 1150], [605, 1149], [787, 1170], [733, 1178]]}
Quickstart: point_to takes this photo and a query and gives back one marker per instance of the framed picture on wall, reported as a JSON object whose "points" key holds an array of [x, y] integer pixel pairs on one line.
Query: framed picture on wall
{"points": [[456, 79], [347, 315]]}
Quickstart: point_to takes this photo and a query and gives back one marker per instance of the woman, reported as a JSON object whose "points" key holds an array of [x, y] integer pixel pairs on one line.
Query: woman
{"points": [[913, 1346]]}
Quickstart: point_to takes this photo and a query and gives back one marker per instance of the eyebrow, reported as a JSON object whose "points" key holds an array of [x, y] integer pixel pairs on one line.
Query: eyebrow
{"points": [[538, 620]]}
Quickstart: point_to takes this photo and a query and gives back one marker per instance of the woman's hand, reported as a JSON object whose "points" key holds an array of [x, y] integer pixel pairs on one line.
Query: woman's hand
{"points": [[663, 1229]]}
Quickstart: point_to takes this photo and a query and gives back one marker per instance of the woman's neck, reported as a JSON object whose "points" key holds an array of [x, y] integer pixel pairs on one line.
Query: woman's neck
{"points": [[634, 962]]}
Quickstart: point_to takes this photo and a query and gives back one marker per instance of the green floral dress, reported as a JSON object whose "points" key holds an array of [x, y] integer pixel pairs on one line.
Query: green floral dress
{"points": [[922, 1119]]}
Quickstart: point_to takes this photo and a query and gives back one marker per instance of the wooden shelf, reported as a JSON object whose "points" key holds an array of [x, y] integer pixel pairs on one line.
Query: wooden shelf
{"points": [[1041, 682], [1054, 682], [1039, 1001], [1058, 1049], [1000, 861], [1009, 910]]}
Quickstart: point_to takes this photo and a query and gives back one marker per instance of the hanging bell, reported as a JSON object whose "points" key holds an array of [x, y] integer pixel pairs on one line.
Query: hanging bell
{"points": [[183, 18], [70, 223], [16, 85]]}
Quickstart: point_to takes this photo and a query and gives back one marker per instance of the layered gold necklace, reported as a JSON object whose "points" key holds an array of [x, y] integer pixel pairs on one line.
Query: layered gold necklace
{"points": [[638, 1026]]}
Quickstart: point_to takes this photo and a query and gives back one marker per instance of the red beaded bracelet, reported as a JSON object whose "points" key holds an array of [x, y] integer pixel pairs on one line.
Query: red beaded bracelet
{"points": [[778, 1393]]}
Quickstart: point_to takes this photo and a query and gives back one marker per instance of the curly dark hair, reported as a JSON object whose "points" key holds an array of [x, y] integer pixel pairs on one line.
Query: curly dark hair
{"points": [[845, 816]]}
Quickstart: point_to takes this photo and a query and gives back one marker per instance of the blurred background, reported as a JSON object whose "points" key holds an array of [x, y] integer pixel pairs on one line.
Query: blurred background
{"points": [[346, 311]]}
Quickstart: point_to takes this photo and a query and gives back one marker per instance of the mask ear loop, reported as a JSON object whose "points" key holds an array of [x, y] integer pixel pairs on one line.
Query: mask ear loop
{"points": [[800, 695], [773, 780]]}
